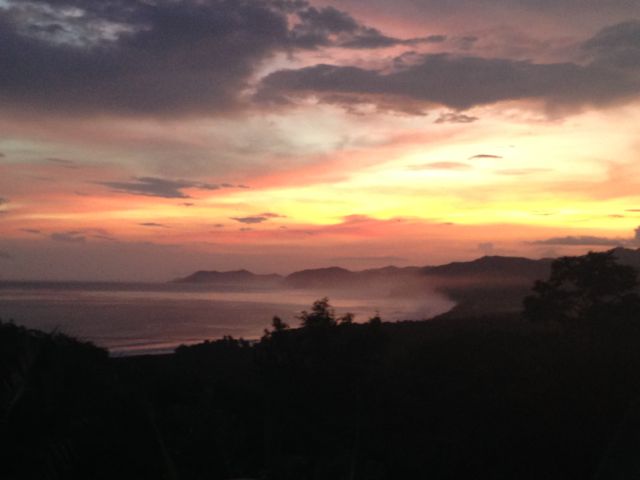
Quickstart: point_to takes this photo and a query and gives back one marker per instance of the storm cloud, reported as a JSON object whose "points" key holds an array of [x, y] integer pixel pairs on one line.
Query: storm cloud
{"points": [[462, 82], [164, 57], [158, 187]]}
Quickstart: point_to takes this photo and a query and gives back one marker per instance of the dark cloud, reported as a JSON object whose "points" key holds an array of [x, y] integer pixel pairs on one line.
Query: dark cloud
{"points": [[583, 241], [330, 27], [153, 224], [455, 117], [157, 57], [250, 220], [70, 237], [462, 82], [62, 162], [33, 231], [466, 42], [2, 155], [5, 255], [484, 155], [3, 201], [440, 166], [135, 57], [158, 187], [259, 218], [616, 46]]}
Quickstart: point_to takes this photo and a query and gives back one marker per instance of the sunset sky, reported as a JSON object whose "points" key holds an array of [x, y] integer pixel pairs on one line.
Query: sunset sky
{"points": [[145, 139]]}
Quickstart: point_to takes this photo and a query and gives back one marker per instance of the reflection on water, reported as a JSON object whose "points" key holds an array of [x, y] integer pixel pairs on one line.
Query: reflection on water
{"points": [[152, 318]]}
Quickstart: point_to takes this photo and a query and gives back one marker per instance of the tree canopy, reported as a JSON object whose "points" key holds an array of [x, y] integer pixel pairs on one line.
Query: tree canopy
{"points": [[585, 287]]}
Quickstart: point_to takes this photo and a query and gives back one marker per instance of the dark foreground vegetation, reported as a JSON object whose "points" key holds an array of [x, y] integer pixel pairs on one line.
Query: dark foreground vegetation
{"points": [[553, 394]]}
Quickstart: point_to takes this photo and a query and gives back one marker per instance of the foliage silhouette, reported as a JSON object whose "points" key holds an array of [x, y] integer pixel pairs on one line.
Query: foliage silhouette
{"points": [[482, 397], [321, 315], [589, 287]]}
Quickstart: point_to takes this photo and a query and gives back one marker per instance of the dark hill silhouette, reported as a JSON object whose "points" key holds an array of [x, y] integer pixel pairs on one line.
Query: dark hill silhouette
{"points": [[320, 277], [482, 269], [493, 266], [236, 277], [489, 284]]}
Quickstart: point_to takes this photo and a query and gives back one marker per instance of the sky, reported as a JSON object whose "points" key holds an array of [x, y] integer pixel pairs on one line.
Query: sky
{"points": [[145, 139]]}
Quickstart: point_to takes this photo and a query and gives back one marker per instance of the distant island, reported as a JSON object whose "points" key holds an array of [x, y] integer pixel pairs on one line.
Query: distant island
{"points": [[488, 284]]}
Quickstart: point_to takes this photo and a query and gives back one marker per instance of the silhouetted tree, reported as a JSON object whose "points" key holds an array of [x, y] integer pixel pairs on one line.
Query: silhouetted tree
{"points": [[376, 319], [583, 287], [321, 315], [346, 319]]}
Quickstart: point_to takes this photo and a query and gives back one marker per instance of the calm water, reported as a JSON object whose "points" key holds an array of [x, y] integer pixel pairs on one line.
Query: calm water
{"points": [[152, 318]]}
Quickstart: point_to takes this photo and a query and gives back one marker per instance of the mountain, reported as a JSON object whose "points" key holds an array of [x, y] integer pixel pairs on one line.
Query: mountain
{"points": [[236, 277], [491, 284], [320, 278], [495, 267], [488, 284]]}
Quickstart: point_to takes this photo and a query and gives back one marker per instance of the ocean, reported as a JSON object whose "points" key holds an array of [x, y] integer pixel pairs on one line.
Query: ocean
{"points": [[143, 318]]}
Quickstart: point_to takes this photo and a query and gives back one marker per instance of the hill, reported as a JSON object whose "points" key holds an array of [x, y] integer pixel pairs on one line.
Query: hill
{"points": [[235, 277]]}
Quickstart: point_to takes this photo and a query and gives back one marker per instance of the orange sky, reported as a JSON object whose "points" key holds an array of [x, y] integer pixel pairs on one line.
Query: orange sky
{"points": [[323, 155]]}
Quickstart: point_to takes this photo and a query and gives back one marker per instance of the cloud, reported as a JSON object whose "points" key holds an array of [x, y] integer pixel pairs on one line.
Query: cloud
{"points": [[64, 163], [440, 166], [158, 187], [153, 224], [5, 255], [158, 58], [33, 231], [330, 27], [484, 155], [254, 219], [135, 57], [583, 241], [3, 201], [250, 220], [455, 117], [462, 82], [69, 237], [616, 46]]}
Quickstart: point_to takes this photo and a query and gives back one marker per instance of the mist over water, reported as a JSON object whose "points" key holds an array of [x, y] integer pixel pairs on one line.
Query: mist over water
{"points": [[153, 318]]}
